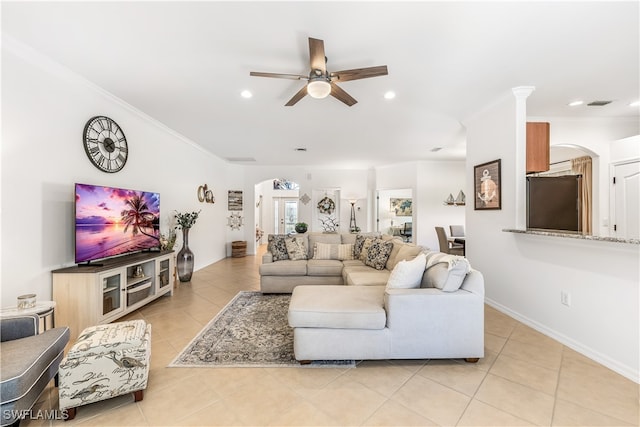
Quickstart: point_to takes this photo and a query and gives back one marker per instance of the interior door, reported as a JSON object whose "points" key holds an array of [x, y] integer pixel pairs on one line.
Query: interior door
{"points": [[285, 214], [626, 204]]}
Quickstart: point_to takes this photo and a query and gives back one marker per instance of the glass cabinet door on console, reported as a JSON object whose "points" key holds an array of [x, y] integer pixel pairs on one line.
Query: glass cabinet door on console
{"points": [[112, 301], [164, 272]]}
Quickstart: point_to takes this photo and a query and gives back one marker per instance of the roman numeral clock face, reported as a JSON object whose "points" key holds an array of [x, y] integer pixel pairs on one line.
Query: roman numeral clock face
{"points": [[105, 144]]}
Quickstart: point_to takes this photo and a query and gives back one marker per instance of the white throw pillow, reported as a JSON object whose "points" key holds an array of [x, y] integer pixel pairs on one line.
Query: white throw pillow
{"points": [[446, 272], [407, 274]]}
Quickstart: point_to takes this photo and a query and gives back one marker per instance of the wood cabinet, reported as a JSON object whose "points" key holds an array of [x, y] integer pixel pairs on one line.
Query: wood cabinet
{"points": [[89, 295], [537, 147]]}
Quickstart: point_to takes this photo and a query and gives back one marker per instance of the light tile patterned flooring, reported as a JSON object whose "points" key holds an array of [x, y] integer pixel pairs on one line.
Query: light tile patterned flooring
{"points": [[526, 378]]}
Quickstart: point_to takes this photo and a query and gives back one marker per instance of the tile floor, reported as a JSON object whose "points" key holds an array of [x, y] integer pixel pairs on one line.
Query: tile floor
{"points": [[526, 378]]}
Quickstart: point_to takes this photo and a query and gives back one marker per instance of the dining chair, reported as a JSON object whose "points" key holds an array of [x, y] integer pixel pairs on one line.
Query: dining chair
{"points": [[446, 246], [456, 230]]}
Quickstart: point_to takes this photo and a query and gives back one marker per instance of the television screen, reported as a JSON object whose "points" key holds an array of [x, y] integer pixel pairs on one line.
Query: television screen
{"points": [[114, 221], [554, 203]]}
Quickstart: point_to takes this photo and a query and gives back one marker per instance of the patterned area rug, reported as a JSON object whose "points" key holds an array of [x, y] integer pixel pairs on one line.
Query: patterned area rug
{"points": [[251, 331]]}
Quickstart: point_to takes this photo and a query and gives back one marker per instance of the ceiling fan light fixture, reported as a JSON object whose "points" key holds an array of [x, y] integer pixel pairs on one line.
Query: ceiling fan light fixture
{"points": [[319, 88]]}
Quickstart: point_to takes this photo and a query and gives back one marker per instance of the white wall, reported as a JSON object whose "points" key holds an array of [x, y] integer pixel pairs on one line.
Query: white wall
{"points": [[525, 274], [44, 110]]}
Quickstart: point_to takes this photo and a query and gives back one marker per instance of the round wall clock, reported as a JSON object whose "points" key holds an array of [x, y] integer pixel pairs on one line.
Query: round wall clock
{"points": [[105, 144]]}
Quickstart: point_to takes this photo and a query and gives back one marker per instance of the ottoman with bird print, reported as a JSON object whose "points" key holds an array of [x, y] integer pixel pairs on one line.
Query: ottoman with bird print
{"points": [[106, 361]]}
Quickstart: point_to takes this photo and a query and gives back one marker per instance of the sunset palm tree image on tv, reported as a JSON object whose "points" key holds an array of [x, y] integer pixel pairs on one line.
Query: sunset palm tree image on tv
{"points": [[114, 221]]}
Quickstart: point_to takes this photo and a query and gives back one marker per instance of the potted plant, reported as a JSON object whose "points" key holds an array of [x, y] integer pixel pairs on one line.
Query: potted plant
{"points": [[301, 227]]}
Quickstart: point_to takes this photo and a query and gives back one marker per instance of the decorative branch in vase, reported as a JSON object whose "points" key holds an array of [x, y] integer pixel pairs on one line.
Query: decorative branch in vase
{"points": [[185, 258]]}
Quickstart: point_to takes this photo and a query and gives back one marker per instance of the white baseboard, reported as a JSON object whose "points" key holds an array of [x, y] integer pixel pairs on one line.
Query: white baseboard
{"points": [[614, 365]]}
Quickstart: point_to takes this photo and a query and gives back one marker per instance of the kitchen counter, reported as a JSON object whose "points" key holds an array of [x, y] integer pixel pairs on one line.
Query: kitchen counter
{"points": [[573, 236]]}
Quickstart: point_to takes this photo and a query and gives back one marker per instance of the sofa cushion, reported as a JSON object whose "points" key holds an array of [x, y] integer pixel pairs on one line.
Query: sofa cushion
{"points": [[331, 238], [406, 252], [378, 254], [371, 277], [407, 274], [277, 246], [445, 272], [284, 268], [324, 267], [366, 244], [337, 307], [296, 248], [333, 251]]}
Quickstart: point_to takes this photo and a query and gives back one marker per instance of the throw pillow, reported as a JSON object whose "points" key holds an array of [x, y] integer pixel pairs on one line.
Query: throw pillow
{"points": [[357, 246], [446, 272], [368, 241], [405, 252], [407, 274], [378, 254], [331, 251], [296, 248], [277, 246]]}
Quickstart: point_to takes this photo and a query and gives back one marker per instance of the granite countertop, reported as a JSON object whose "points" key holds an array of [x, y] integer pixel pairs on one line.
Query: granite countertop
{"points": [[573, 236]]}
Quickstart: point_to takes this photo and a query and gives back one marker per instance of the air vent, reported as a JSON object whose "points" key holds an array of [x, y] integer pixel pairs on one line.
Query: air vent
{"points": [[598, 103], [241, 159]]}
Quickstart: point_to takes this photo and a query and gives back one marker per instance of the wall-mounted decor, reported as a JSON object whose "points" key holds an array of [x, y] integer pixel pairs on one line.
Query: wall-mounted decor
{"points": [[205, 195], [285, 184], [329, 225], [487, 186], [235, 200], [401, 207], [235, 221], [326, 205], [460, 200], [105, 144], [305, 199]]}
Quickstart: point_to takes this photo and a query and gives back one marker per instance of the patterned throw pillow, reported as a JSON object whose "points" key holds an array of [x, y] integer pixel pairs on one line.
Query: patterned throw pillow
{"points": [[296, 248], [365, 247], [378, 254], [357, 246], [277, 246]]}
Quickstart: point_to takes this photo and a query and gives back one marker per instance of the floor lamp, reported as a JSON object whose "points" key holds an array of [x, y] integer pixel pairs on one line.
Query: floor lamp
{"points": [[352, 223]]}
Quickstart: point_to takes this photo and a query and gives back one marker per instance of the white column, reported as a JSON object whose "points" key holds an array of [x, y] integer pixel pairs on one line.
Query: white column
{"points": [[520, 168]]}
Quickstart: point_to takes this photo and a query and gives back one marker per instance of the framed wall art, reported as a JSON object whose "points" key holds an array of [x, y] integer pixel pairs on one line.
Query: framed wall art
{"points": [[235, 200], [487, 186], [401, 207]]}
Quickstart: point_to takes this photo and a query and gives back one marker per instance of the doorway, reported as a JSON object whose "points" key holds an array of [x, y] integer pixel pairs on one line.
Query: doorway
{"points": [[624, 200], [285, 214]]}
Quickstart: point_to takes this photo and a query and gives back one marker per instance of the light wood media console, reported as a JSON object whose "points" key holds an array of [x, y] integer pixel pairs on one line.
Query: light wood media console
{"points": [[89, 295]]}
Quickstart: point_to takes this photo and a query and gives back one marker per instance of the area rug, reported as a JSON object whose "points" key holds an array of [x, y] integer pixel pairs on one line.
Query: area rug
{"points": [[251, 331]]}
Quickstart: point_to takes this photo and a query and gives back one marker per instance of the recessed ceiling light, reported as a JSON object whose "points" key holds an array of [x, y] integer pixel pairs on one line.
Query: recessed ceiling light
{"points": [[246, 94], [575, 103], [389, 95], [635, 104]]}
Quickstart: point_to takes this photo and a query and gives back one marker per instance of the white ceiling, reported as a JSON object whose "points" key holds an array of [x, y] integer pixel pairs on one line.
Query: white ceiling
{"points": [[185, 64]]}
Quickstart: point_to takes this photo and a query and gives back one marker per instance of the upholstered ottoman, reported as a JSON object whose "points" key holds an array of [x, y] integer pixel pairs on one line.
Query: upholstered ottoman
{"points": [[106, 361], [339, 323]]}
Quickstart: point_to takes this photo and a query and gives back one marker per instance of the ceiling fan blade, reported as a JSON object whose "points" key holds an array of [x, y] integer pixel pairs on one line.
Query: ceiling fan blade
{"points": [[317, 58], [341, 95], [278, 76], [359, 73], [297, 97]]}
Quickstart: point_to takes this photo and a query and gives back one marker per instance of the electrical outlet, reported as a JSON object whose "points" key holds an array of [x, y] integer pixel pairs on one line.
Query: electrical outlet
{"points": [[565, 298]]}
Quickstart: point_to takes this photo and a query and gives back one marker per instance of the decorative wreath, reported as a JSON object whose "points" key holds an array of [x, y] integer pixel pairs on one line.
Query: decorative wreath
{"points": [[326, 205]]}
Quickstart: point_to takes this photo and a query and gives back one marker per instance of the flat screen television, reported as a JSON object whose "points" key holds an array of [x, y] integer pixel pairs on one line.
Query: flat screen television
{"points": [[554, 203], [113, 221]]}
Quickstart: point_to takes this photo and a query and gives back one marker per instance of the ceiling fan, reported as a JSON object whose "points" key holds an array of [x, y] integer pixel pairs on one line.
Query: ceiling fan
{"points": [[322, 83]]}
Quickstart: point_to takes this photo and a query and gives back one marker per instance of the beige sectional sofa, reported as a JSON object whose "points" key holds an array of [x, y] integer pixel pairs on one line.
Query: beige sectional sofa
{"points": [[282, 276], [419, 304]]}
